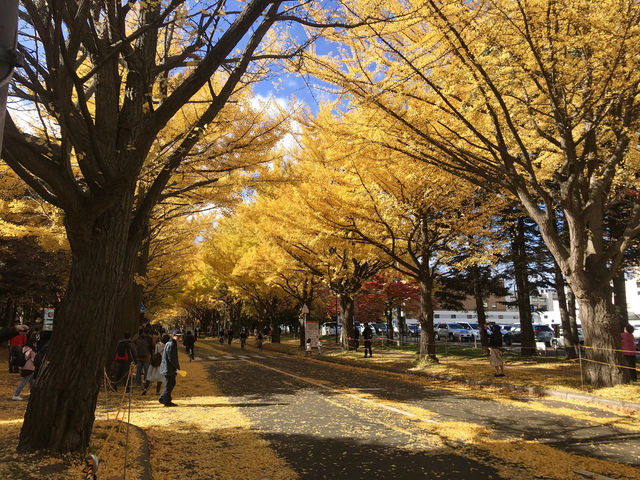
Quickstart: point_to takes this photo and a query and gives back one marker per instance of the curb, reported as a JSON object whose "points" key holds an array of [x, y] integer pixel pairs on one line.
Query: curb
{"points": [[561, 394], [143, 458]]}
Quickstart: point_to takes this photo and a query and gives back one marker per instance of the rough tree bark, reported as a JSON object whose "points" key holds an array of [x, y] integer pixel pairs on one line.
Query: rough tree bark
{"points": [[346, 313], [570, 335], [428, 334], [60, 412], [521, 273], [482, 315]]}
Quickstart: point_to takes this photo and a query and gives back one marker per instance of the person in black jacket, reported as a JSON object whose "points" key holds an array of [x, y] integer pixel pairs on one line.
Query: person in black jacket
{"points": [[169, 369], [495, 350], [367, 334], [189, 341], [125, 356]]}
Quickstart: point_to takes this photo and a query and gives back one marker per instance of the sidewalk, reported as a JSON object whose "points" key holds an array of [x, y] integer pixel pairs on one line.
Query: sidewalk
{"points": [[546, 376]]}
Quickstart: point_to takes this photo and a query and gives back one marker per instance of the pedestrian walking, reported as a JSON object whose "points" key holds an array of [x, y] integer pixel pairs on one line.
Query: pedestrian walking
{"points": [[367, 335], [125, 355], [144, 346], [169, 368], [29, 353], [629, 351], [243, 337], [495, 350], [153, 374], [319, 345], [15, 350], [308, 348], [189, 341], [259, 340]]}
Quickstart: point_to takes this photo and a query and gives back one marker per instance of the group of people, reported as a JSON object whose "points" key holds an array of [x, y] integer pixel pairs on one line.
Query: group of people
{"points": [[155, 355], [26, 352], [367, 336]]}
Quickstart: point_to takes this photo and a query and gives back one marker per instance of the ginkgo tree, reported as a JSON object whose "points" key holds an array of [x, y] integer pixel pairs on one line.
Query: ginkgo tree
{"points": [[537, 100], [415, 216], [285, 217], [104, 79]]}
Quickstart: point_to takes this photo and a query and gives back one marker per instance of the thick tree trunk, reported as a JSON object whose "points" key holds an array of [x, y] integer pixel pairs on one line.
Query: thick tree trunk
{"points": [[573, 319], [601, 337], [428, 334], [60, 412], [570, 341], [620, 299], [346, 312], [388, 314], [482, 314], [521, 273], [402, 326], [302, 332]]}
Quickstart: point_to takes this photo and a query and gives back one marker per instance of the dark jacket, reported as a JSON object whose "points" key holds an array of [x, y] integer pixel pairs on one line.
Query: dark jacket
{"points": [[495, 339], [125, 351], [169, 366], [367, 334], [189, 340]]}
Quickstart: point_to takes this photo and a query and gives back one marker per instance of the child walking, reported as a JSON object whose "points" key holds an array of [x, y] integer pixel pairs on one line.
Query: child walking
{"points": [[308, 347]]}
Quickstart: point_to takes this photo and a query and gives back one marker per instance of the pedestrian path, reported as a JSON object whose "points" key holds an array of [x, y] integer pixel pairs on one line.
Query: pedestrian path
{"points": [[226, 358]]}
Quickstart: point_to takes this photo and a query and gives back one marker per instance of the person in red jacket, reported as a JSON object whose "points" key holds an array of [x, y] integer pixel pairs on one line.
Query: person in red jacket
{"points": [[15, 348], [629, 351]]}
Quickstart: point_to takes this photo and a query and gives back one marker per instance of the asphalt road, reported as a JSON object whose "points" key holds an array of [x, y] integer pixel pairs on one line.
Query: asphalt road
{"points": [[335, 422]]}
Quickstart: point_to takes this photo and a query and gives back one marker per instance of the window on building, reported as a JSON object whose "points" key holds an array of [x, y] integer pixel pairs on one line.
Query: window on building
{"points": [[494, 305], [453, 315], [436, 315], [469, 316], [500, 317], [485, 304]]}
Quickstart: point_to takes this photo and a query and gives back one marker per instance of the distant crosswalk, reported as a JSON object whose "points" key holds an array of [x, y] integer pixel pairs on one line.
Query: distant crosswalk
{"points": [[226, 358]]}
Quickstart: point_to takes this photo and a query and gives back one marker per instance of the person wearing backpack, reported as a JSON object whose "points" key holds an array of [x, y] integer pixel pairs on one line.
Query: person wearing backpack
{"points": [[125, 355], [144, 347], [28, 367], [189, 341], [153, 374]]}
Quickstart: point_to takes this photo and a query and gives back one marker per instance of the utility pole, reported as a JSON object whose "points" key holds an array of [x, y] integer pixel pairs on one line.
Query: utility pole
{"points": [[8, 57]]}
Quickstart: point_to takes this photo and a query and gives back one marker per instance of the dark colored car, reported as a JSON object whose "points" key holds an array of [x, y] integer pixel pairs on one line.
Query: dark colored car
{"points": [[542, 333]]}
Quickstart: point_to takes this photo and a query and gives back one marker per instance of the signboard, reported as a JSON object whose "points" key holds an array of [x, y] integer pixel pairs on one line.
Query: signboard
{"points": [[311, 331], [47, 323]]}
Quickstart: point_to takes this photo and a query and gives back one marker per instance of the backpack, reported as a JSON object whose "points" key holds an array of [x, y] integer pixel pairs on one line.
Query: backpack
{"points": [[122, 351], [142, 347], [21, 359], [156, 359]]}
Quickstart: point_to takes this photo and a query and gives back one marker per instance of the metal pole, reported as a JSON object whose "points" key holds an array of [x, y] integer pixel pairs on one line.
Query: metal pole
{"points": [[580, 359], [8, 32]]}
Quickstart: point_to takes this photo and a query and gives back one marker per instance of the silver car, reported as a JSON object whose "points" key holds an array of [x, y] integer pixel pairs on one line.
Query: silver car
{"points": [[453, 331]]}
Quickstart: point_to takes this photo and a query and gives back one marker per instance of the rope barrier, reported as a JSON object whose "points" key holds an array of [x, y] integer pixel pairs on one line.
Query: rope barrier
{"points": [[605, 363], [116, 426]]}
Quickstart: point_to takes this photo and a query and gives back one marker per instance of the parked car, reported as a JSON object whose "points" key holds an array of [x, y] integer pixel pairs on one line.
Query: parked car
{"points": [[559, 342], [414, 330], [381, 328], [453, 331], [329, 328], [541, 333], [473, 328]]}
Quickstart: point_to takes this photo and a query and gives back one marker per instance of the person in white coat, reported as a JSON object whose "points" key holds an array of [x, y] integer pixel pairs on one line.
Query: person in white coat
{"points": [[153, 374]]}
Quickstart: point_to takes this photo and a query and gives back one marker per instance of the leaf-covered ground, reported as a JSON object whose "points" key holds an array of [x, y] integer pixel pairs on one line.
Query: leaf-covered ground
{"points": [[552, 372], [205, 437]]}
